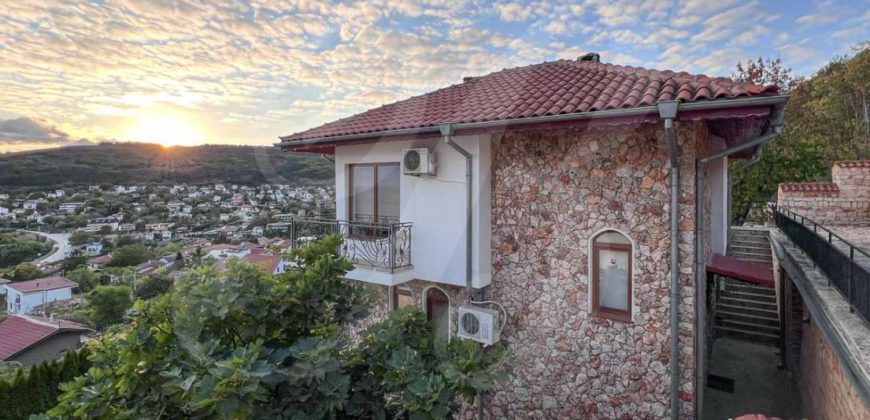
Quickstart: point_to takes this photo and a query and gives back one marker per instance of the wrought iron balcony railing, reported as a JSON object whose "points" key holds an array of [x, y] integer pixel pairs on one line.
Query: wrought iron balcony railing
{"points": [[833, 254], [380, 246]]}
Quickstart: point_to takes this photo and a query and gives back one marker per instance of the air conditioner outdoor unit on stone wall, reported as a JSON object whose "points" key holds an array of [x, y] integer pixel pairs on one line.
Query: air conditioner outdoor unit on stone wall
{"points": [[479, 324]]}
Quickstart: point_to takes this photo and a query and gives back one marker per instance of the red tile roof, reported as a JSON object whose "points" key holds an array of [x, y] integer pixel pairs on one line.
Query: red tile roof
{"points": [[265, 261], [21, 332], [853, 164], [38, 285], [810, 187], [550, 88]]}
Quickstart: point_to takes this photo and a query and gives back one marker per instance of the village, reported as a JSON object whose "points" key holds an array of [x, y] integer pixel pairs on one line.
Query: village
{"points": [[128, 235]]}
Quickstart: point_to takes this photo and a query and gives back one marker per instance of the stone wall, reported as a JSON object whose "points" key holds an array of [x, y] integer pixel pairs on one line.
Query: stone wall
{"points": [[825, 390], [552, 191], [845, 200]]}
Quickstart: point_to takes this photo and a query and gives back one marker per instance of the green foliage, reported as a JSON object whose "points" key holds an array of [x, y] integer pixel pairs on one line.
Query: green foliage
{"points": [[106, 305], [86, 278], [143, 163], [129, 255], [14, 251], [35, 389], [25, 271], [153, 286], [826, 120], [81, 238], [243, 344]]}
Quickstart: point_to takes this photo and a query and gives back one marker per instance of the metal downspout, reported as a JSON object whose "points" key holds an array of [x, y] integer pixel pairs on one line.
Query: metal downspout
{"points": [[668, 111], [700, 250], [447, 132]]}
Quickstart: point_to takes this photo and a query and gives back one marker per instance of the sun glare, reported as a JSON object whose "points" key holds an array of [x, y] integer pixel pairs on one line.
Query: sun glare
{"points": [[166, 129]]}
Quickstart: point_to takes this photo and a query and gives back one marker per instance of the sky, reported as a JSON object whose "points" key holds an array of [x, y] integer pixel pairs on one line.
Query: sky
{"points": [[245, 72]]}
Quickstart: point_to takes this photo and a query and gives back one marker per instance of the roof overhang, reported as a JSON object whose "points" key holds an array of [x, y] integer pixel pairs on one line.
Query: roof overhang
{"points": [[724, 109]]}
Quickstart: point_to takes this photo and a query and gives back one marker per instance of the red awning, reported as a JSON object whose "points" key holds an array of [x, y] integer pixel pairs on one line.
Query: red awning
{"points": [[751, 271]]}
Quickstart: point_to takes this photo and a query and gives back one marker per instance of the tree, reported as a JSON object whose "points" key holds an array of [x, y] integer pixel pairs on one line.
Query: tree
{"points": [[153, 286], [86, 279], [81, 238], [129, 255], [244, 344], [106, 305], [74, 261], [26, 271]]}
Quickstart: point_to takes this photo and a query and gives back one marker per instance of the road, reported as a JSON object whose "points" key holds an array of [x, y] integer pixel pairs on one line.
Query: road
{"points": [[62, 247]]}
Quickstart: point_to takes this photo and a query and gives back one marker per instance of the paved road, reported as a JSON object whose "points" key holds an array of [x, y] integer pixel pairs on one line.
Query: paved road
{"points": [[62, 247]]}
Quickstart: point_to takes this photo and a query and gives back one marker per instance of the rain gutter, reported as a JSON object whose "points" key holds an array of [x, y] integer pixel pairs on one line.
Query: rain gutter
{"points": [[286, 141]]}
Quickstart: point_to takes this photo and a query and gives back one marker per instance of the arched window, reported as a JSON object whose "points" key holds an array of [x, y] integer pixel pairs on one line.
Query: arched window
{"points": [[611, 275], [438, 311], [402, 297]]}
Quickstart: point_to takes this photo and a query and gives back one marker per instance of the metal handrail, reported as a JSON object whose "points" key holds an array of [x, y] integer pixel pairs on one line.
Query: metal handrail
{"points": [[817, 226], [834, 261], [371, 244]]}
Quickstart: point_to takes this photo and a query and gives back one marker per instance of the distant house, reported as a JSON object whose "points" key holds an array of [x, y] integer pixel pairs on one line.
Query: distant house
{"points": [[97, 263], [272, 264], [31, 340], [4, 211], [70, 207], [30, 205], [126, 227], [59, 193], [100, 222], [22, 297], [257, 231], [94, 248]]}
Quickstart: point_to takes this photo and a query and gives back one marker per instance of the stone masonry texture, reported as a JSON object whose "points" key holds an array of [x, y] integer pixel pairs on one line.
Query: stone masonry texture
{"points": [[552, 191]]}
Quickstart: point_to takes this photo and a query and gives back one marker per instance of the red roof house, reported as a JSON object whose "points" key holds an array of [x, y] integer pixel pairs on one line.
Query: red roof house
{"points": [[43, 284], [583, 199], [31, 340]]}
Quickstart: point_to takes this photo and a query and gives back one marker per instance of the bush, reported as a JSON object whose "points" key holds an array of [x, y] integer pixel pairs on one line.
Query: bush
{"points": [[153, 286], [106, 305], [244, 344], [86, 279]]}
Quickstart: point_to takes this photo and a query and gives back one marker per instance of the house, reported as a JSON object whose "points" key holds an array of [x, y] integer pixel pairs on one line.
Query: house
{"points": [[126, 227], [99, 223], [97, 263], [582, 198], [31, 204], [31, 340], [22, 297], [94, 248], [257, 231], [272, 264], [4, 211], [174, 206], [70, 207], [59, 193]]}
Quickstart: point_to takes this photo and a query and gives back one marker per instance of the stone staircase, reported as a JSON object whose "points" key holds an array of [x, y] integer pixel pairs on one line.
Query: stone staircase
{"points": [[746, 310]]}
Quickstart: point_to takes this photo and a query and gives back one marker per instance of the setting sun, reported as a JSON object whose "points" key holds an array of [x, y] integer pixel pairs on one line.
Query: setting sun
{"points": [[166, 129]]}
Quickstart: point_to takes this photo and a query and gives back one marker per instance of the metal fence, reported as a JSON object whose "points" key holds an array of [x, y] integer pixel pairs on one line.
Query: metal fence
{"points": [[383, 246], [838, 262]]}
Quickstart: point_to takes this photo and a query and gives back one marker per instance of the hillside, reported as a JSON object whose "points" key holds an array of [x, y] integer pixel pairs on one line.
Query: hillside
{"points": [[118, 163]]}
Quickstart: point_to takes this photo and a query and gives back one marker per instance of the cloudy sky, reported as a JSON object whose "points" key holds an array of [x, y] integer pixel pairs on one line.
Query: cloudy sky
{"points": [[247, 71]]}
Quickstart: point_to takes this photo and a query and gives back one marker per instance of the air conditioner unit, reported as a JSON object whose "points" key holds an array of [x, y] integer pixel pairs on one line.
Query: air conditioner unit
{"points": [[478, 324], [420, 161]]}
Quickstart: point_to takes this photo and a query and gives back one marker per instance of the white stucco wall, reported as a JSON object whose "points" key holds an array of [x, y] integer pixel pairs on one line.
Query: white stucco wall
{"points": [[718, 184], [435, 206], [34, 299]]}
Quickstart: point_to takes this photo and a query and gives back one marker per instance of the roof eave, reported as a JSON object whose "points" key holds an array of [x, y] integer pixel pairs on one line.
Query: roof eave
{"points": [[327, 142]]}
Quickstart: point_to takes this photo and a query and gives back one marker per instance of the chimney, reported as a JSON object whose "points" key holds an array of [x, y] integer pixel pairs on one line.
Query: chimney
{"points": [[467, 79], [592, 56]]}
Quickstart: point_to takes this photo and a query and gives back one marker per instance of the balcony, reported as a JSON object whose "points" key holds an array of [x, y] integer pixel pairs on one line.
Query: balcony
{"points": [[381, 250]]}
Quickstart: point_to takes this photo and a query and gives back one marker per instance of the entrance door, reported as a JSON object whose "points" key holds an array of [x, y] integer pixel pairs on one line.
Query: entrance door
{"points": [[438, 311]]}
